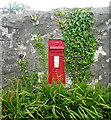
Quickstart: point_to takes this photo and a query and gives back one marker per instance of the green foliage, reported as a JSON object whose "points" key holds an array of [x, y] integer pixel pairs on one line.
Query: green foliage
{"points": [[40, 45], [23, 65], [14, 7], [43, 101], [76, 25], [25, 98]]}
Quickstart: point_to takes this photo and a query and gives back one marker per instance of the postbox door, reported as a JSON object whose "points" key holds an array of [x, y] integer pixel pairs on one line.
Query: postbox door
{"points": [[56, 66]]}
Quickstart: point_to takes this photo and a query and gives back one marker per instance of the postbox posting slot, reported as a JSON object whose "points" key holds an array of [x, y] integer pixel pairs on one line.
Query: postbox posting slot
{"points": [[57, 48]]}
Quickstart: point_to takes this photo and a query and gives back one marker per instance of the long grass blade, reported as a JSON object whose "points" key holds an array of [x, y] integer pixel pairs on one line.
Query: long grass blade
{"points": [[79, 87], [85, 116], [102, 99], [105, 106], [54, 111], [90, 112], [70, 113], [30, 114], [96, 112]]}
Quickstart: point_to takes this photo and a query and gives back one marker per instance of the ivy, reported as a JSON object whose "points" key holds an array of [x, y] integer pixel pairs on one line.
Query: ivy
{"points": [[76, 25]]}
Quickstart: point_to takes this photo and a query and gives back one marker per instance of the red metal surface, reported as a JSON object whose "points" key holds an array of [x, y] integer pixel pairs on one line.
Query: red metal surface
{"points": [[56, 61]]}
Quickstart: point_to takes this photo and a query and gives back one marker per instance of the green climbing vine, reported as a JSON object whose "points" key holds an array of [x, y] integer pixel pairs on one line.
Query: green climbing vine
{"points": [[40, 45], [76, 25]]}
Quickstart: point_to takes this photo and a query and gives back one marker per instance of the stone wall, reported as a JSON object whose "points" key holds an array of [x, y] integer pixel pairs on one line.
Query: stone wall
{"points": [[109, 28], [100, 68], [1, 51], [16, 40]]}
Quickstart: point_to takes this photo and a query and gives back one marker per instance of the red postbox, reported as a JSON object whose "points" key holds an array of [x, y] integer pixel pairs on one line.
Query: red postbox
{"points": [[56, 61]]}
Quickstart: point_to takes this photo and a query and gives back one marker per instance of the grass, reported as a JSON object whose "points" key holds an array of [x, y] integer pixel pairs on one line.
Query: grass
{"points": [[26, 98]]}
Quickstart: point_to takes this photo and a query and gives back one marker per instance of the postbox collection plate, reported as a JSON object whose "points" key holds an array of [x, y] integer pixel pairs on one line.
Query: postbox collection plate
{"points": [[56, 63]]}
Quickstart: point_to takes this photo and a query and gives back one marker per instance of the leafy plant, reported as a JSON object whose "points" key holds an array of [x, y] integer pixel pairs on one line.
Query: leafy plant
{"points": [[40, 45], [76, 25], [45, 101], [14, 7]]}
